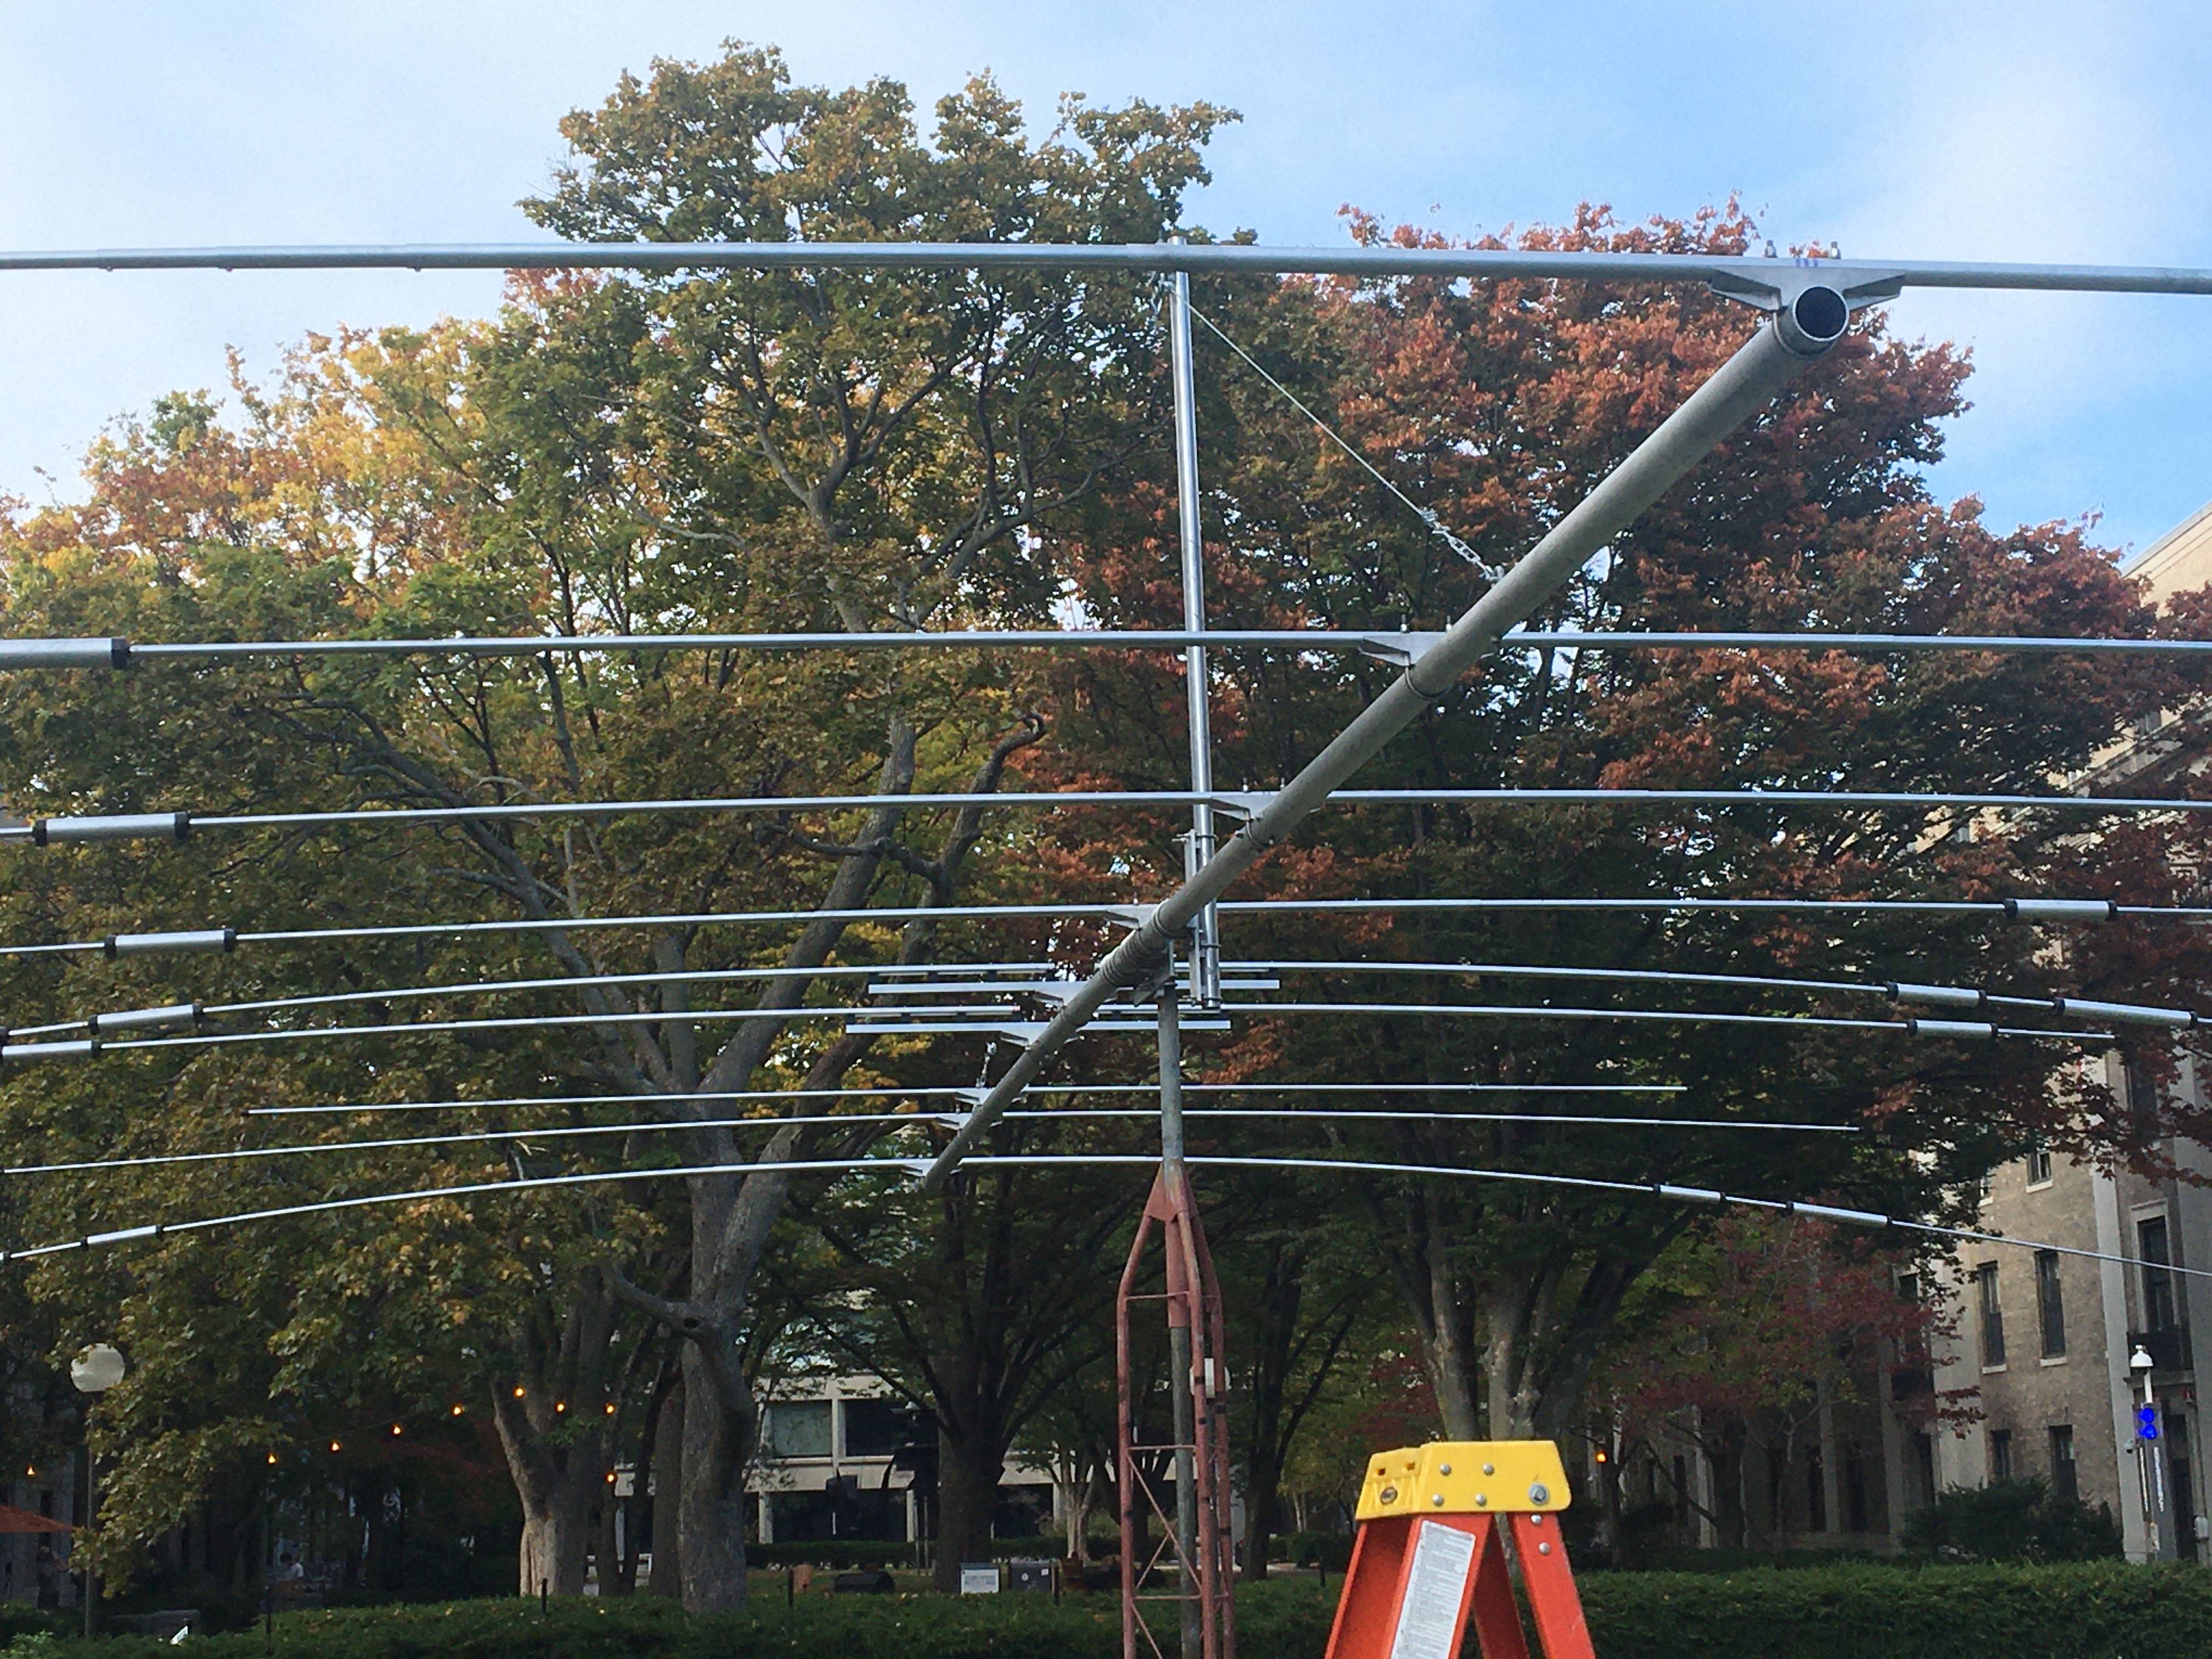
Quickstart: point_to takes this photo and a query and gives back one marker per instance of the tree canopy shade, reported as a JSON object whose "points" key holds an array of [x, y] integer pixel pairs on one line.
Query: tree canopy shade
{"points": [[863, 452]]}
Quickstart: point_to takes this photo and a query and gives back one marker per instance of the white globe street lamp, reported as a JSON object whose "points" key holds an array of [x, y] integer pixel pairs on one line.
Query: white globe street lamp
{"points": [[97, 1368]]}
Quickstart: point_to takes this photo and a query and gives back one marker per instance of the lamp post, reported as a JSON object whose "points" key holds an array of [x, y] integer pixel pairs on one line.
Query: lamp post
{"points": [[2151, 1470], [96, 1369]]}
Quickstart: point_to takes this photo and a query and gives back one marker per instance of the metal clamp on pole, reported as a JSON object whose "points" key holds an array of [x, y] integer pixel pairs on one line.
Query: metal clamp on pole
{"points": [[1429, 1556], [166, 1017], [65, 654], [203, 941], [127, 826]]}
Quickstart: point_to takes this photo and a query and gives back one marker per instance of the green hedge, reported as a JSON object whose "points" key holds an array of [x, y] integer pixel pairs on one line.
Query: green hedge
{"points": [[2097, 1610]]}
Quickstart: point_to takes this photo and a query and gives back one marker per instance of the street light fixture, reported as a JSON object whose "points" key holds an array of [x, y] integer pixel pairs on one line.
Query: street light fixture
{"points": [[2149, 1468], [97, 1368]]}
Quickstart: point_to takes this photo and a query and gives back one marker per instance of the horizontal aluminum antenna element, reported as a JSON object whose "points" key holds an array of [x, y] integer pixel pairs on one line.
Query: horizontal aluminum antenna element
{"points": [[915, 1167], [988, 1019], [1742, 385], [1933, 996], [914, 1120], [1544, 1011], [1386, 644], [1735, 272], [2025, 910], [503, 986], [939, 1092], [1279, 809]]}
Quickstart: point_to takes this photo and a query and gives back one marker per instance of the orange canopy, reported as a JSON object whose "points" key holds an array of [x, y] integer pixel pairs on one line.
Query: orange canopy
{"points": [[14, 1520]]}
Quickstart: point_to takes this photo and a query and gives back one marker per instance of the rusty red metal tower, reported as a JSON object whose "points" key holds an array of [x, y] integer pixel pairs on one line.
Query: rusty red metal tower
{"points": [[1196, 1543]]}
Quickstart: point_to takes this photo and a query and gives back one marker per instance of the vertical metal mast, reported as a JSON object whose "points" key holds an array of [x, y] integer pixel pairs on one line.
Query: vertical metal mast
{"points": [[1200, 1545], [1206, 932], [1205, 941]]}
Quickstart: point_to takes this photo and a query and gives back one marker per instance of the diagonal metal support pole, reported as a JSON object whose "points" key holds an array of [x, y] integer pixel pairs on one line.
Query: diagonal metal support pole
{"points": [[1807, 325]]}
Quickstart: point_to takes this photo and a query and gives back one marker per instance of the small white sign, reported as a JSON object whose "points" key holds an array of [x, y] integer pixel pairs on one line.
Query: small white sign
{"points": [[1428, 1618], [979, 1578]]}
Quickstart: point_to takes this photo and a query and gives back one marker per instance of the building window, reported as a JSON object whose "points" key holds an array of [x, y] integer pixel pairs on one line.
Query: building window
{"points": [[1923, 1469], [2039, 1165], [875, 1428], [797, 1428], [2000, 1455], [2141, 1089], [2065, 1481], [2050, 1306], [2154, 1249], [1855, 1488], [1992, 1316], [1908, 1287]]}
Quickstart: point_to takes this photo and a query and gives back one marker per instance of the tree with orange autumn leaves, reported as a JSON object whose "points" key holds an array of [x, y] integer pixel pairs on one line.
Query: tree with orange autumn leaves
{"points": [[1496, 405]]}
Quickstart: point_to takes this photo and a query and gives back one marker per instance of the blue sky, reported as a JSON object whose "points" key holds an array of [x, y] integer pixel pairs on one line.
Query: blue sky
{"points": [[1959, 130]]}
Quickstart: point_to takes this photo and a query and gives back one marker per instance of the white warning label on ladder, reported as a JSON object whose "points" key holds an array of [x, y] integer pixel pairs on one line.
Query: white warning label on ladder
{"points": [[1428, 1617]]}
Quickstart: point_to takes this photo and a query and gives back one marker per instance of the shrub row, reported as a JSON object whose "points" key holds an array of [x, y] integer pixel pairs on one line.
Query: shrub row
{"points": [[2100, 1610]]}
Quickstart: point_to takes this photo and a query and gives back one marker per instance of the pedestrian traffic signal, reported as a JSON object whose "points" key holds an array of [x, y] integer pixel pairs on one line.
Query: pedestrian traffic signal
{"points": [[2147, 1422]]}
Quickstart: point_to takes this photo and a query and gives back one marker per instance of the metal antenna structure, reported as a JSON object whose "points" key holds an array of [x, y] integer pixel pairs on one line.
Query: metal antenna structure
{"points": [[1198, 1538], [1180, 1484]]}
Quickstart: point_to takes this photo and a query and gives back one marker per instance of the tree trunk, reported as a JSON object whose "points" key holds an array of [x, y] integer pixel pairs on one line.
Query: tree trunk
{"points": [[718, 1424], [967, 1499], [1448, 1348], [667, 1496], [557, 1487], [556, 1533], [605, 1556], [1731, 1516]]}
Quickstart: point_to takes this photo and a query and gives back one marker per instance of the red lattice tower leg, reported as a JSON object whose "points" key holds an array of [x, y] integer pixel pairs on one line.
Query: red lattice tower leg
{"points": [[1203, 1563]]}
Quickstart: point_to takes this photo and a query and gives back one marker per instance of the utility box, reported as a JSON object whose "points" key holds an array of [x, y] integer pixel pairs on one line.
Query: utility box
{"points": [[979, 1578], [1029, 1576]]}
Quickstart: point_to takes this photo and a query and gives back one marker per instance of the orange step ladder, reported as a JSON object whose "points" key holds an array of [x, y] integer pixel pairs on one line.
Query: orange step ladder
{"points": [[1429, 1555]]}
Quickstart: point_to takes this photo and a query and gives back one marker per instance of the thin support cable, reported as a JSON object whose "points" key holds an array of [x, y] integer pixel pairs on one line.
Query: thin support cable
{"points": [[1427, 516]]}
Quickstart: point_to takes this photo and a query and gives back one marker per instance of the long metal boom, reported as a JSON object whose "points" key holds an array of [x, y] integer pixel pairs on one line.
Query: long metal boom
{"points": [[112, 652], [1453, 263], [1743, 385]]}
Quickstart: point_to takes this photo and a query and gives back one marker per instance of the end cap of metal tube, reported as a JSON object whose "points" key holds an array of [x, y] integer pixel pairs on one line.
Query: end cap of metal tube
{"points": [[1812, 320]]}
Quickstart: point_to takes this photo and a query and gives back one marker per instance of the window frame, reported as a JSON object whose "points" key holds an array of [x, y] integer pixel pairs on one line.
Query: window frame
{"points": [[2050, 1305], [1988, 1317]]}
